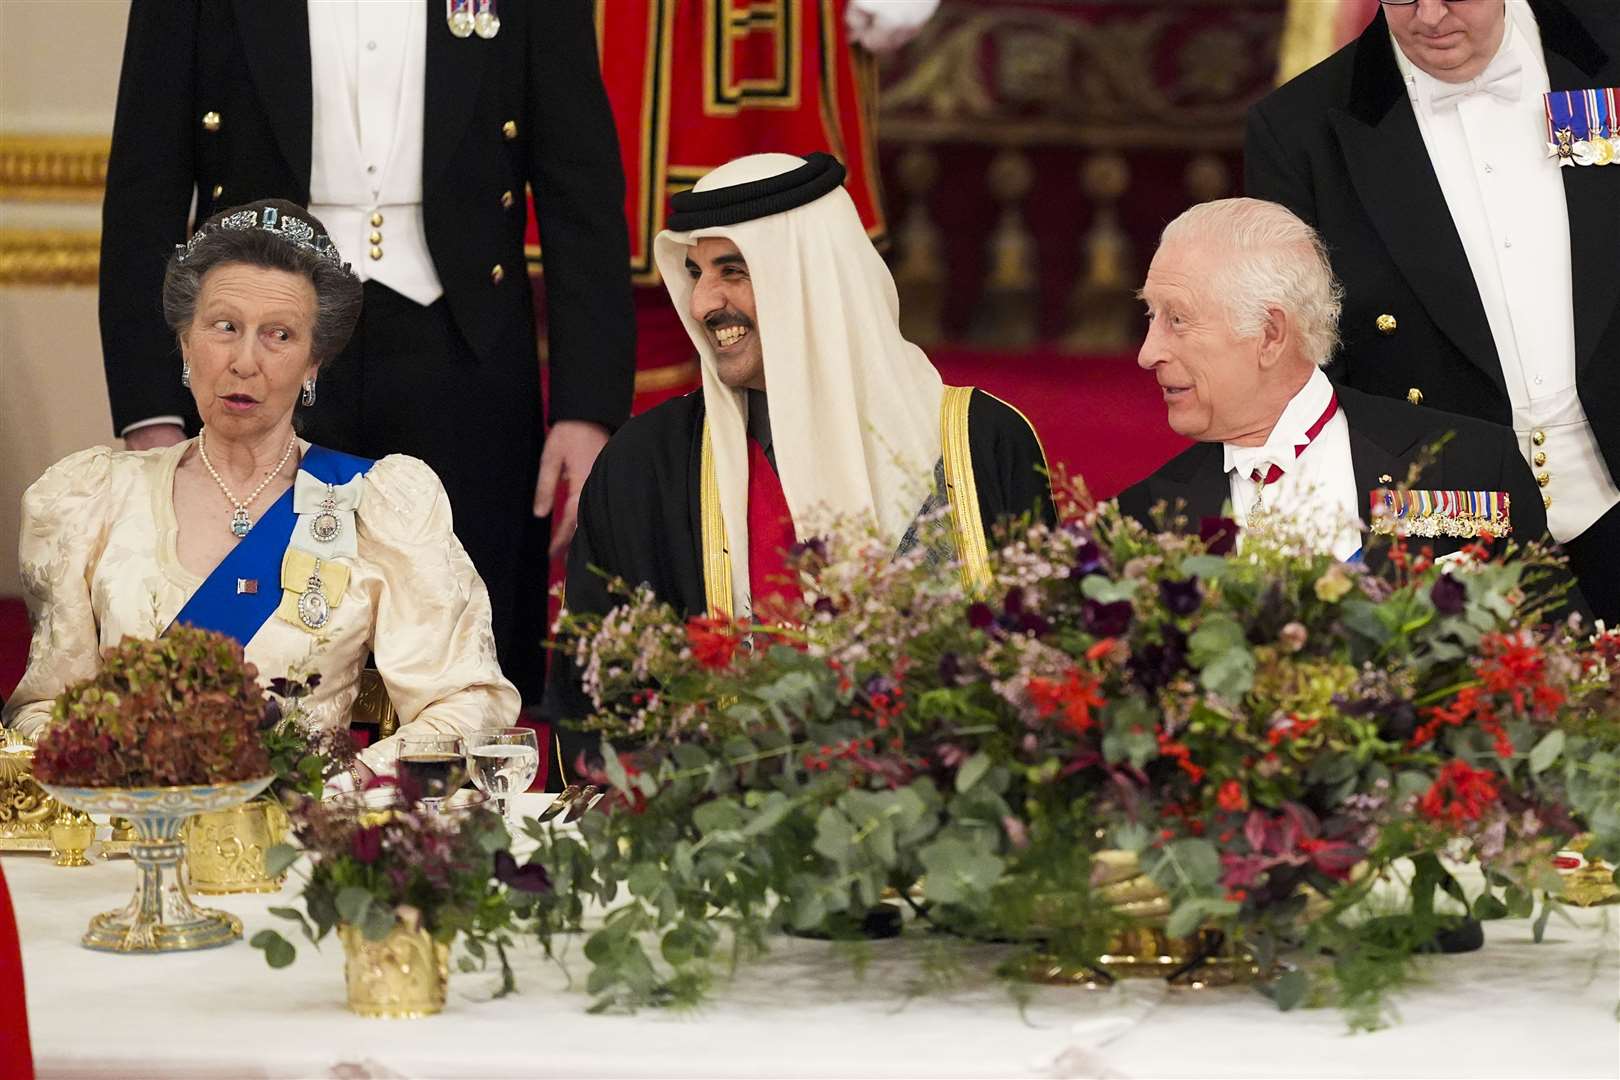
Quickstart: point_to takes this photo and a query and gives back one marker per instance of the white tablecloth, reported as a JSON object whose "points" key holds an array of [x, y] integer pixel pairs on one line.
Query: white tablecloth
{"points": [[1515, 1009]]}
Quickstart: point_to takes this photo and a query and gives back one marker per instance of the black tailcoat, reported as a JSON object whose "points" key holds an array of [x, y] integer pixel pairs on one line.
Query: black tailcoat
{"points": [[1386, 437], [248, 61], [1340, 146]]}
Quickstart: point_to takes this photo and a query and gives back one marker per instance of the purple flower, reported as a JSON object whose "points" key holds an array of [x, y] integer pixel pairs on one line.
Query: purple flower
{"points": [[1088, 559], [815, 547], [1448, 595], [1013, 605], [825, 606], [529, 878], [980, 617], [1155, 664], [1106, 620], [1219, 534], [1181, 597], [950, 669]]}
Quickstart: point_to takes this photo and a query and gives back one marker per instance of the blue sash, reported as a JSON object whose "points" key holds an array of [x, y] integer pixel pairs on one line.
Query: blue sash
{"points": [[216, 605]]}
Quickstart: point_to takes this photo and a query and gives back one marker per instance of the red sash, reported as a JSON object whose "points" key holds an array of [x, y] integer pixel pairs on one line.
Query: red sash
{"points": [[16, 1058], [770, 537]]}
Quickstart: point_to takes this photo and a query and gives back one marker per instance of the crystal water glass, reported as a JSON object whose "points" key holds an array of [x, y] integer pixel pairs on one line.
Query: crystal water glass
{"points": [[435, 762], [502, 762]]}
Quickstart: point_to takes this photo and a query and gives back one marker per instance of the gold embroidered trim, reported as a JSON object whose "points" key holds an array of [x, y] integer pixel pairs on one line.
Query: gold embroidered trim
{"points": [[716, 553], [972, 551]]}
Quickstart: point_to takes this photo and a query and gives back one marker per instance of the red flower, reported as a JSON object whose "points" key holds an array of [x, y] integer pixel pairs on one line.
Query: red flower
{"points": [[1170, 748], [1231, 797], [713, 641], [1076, 696], [367, 845], [1460, 793]]}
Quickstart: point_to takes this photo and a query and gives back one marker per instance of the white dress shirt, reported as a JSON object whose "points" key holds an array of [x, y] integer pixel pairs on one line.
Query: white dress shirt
{"points": [[368, 62], [1506, 197], [1316, 496], [368, 66]]}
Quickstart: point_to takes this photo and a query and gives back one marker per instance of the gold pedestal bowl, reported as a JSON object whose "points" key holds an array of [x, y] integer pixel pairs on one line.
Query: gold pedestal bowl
{"points": [[160, 916]]}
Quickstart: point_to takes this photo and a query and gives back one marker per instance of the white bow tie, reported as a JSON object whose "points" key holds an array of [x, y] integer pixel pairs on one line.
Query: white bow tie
{"points": [[1502, 79], [1248, 460]]}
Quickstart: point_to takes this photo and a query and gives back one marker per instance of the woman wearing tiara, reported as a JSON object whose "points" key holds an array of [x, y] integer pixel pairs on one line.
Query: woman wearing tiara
{"points": [[310, 558]]}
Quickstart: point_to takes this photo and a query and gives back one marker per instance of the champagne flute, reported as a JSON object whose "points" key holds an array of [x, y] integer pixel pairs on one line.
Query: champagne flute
{"points": [[435, 762], [503, 761]]}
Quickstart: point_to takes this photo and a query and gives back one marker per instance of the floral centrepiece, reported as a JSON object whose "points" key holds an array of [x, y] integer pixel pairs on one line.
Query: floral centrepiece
{"points": [[1266, 730], [405, 867], [178, 710]]}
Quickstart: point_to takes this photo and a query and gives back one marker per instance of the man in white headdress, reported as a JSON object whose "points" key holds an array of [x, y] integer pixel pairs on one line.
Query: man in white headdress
{"points": [[814, 412]]}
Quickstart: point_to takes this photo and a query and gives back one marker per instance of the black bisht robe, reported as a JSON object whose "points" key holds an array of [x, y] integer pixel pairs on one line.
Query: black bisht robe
{"points": [[640, 518]]}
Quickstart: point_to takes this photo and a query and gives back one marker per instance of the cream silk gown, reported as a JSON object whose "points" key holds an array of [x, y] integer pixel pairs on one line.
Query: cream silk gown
{"points": [[98, 559]]}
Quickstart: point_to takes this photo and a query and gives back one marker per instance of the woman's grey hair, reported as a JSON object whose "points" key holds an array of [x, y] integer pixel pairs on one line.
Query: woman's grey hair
{"points": [[1277, 261], [337, 289]]}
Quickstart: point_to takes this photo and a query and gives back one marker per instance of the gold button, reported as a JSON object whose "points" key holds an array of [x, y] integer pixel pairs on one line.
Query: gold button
{"points": [[509, 129], [1538, 437], [376, 237], [1546, 501], [376, 252], [507, 200], [498, 274], [219, 189], [1414, 396], [210, 121], [376, 220], [1544, 479], [1386, 324], [1541, 458]]}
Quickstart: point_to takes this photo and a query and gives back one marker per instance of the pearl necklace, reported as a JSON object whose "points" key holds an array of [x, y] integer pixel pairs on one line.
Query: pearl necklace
{"points": [[240, 522]]}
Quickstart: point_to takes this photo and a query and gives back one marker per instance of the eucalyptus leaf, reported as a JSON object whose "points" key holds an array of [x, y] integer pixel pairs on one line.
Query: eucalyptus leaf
{"points": [[353, 903], [379, 923], [1489, 907], [1287, 989], [278, 951], [279, 858], [834, 835], [1546, 751], [1206, 567], [972, 771]]}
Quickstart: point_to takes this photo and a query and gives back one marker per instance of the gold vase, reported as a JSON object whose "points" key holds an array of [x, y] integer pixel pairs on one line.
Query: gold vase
{"points": [[71, 834], [225, 849], [1142, 950], [1587, 882], [403, 976]]}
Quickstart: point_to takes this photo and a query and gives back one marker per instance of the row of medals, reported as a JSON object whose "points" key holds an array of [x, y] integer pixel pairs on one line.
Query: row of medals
{"points": [[464, 21]]}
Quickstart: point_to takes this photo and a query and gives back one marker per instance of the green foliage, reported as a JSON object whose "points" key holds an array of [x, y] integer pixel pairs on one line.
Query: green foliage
{"points": [[1248, 739]]}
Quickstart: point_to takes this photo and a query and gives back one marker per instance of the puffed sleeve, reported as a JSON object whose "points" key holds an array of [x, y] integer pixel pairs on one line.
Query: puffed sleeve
{"points": [[63, 533], [432, 638]]}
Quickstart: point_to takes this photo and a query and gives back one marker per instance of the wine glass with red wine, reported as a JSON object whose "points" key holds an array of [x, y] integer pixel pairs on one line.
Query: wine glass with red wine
{"points": [[434, 763]]}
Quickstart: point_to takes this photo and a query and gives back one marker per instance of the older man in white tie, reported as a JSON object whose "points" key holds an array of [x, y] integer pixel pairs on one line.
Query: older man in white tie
{"points": [[1479, 259], [1243, 308]]}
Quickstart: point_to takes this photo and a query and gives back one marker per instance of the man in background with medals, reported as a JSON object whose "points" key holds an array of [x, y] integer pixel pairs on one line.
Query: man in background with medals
{"points": [[410, 128], [1452, 159]]}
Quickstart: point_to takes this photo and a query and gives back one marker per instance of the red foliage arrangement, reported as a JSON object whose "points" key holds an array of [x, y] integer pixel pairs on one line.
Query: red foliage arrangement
{"points": [[183, 709]]}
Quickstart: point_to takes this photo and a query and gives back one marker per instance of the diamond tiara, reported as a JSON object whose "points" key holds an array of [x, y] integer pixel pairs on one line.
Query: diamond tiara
{"points": [[295, 231]]}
